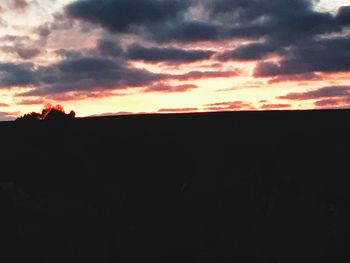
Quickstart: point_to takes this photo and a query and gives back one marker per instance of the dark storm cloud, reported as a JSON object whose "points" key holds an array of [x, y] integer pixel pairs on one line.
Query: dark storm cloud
{"points": [[170, 55], [88, 74], [109, 48], [322, 93], [343, 16], [165, 19], [251, 8], [288, 27], [160, 20], [278, 20], [301, 37], [12, 75], [322, 55], [291, 29], [82, 73], [248, 52], [185, 31], [119, 15]]}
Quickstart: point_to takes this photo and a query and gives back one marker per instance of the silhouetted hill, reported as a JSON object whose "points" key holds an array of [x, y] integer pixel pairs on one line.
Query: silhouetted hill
{"points": [[217, 187]]}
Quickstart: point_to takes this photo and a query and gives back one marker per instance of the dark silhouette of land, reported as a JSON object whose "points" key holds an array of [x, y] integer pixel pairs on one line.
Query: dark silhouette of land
{"points": [[217, 187]]}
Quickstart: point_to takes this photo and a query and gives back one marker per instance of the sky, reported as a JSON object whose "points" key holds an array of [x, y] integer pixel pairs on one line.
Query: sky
{"points": [[162, 56]]}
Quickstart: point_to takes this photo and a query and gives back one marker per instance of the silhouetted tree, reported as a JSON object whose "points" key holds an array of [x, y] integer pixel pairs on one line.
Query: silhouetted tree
{"points": [[72, 114], [49, 113]]}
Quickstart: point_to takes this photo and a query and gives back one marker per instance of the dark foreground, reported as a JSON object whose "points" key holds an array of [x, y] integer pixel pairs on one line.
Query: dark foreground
{"points": [[224, 187]]}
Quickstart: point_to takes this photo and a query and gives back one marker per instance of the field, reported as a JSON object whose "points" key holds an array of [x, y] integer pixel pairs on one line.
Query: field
{"points": [[217, 187]]}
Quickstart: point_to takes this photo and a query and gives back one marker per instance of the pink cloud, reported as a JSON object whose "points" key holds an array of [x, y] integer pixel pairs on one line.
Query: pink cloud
{"points": [[169, 88], [275, 106], [233, 105], [178, 110]]}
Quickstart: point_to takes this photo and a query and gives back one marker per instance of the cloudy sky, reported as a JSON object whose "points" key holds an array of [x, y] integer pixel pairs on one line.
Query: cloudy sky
{"points": [[117, 56]]}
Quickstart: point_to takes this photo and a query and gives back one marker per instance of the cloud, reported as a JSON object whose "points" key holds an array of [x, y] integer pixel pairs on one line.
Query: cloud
{"points": [[70, 54], [175, 110], [326, 97], [247, 52], [343, 16], [32, 102], [3, 23], [231, 105], [195, 75], [8, 116], [120, 15], [14, 38], [275, 106], [169, 88], [168, 20], [185, 31], [306, 41], [120, 113], [279, 21], [333, 103], [109, 47], [161, 20], [82, 74], [4, 105], [60, 22], [321, 55], [25, 53], [301, 43], [12, 75], [325, 92], [74, 95], [20, 5], [295, 78], [21, 46], [167, 55]]}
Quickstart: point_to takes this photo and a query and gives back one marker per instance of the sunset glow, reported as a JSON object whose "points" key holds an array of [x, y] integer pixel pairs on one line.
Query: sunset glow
{"points": [[150, 56]]}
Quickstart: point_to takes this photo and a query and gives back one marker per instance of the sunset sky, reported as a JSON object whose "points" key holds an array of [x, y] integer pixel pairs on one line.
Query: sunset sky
{"points": [[146, 56]]}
